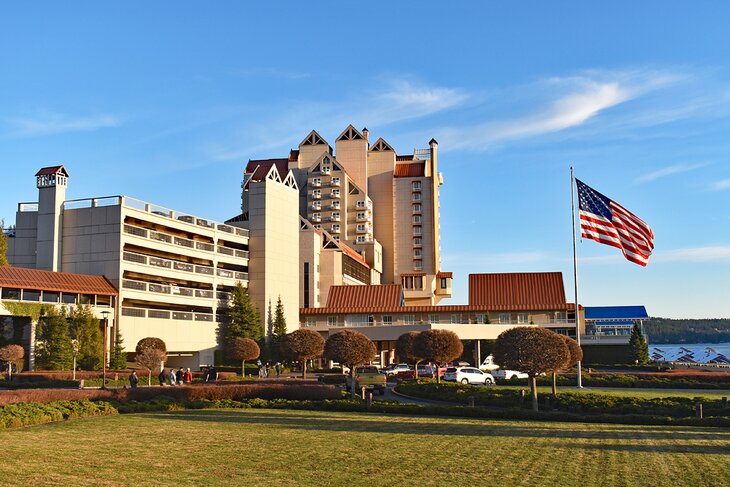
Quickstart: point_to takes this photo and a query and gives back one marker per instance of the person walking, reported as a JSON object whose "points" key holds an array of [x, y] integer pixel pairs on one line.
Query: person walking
{"points": [[266, 370], [179, 376], [277, 367], [133, 379], [261, 369], [161, 377], [171, 377], [188, 377], [212, 374]]}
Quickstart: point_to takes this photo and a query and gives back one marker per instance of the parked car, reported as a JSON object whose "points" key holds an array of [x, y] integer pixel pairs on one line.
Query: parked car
{"points": [[468, 375], [509, 374], [423, 371], [370, 378], [393, 369]]}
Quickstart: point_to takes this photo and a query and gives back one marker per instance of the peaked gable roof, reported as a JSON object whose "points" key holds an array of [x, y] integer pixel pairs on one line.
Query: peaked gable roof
{"points": [[381, 145], [65, 282], [518, 291], [47, 171], [259, 168], [369, 296], [313, 138], [350, 133]]}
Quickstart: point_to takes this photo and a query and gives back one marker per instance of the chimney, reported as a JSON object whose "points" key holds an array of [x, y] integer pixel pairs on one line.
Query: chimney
{"points": [[365, 133]]}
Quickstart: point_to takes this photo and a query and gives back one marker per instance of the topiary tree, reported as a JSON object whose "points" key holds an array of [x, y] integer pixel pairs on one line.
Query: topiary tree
{"points": [[150, 358], [438, 346], [575, 355], [11, 355], [639, 350], [157, 344], [117, 356], [303, 345], [245, 349], [531, 350], [405, 349], [351, 349], [243, 320], [89, 338], [54, 350]]}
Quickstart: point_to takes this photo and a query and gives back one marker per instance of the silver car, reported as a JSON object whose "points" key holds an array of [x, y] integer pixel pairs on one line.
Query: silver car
{"points": [[468, 375]]}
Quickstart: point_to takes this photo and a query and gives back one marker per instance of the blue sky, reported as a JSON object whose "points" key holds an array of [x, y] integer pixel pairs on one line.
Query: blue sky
{"points": [[167, 101]]}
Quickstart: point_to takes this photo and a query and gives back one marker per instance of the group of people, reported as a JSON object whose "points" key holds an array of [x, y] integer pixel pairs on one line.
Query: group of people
{"points": [[175, 377], [264, 369]]}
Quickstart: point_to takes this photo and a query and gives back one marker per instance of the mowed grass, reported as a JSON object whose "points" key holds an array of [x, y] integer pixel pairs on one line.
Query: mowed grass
{"points": [[280, 447], [632, 392]]}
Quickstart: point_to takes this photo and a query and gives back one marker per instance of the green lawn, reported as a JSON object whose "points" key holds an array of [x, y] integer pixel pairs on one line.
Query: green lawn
{"points": [[278, 447]]}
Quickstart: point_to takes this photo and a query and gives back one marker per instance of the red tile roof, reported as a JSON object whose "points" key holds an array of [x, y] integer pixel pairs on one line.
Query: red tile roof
{"points": [[518, 291], [343, 298], [260, 168], [47, 171], [65, 282], [411, 170], [445, 275], [352, 253]]}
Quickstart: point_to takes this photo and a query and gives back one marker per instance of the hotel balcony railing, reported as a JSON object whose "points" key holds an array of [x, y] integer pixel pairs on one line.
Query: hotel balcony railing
{"points": [[334, 218], [182, 242], [445, 321], [235, 252], [315, 184], [364, 205], [366, 218], [167, 289], [317, 218], [335, 205], [316, 206], [416, 198], [316, 196], [334, 229], [335, 182], [167, 314], [229, 274], [335, 194], [182, 266], [364, 228]]}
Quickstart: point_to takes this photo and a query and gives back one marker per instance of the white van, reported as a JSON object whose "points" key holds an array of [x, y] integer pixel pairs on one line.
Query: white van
{"points": [[489, 366]]}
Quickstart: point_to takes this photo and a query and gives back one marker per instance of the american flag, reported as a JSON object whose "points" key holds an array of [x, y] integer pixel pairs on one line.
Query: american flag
{"points": [[607, 222]]}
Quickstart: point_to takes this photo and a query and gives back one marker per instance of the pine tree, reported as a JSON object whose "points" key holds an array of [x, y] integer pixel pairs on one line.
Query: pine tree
{"points": [[53, 341], [90, 340], [3, 245], [639, 350], [279, 328], [117, 356], [244, 320]]}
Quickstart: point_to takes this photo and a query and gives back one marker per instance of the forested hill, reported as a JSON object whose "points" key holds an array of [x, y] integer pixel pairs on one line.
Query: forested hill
{"points": [[665, 330]]}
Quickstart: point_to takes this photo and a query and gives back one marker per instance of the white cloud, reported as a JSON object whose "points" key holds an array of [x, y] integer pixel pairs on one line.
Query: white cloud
{"points": [[695, 254], [720, 185], [56, 123], [668, 171]]}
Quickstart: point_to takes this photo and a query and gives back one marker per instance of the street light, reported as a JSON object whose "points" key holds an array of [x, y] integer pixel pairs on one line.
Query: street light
{"points": [[105, 314]]}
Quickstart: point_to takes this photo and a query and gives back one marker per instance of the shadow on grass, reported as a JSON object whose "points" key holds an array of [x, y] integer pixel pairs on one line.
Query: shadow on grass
{"points": [[711, 449], [449, 426]]}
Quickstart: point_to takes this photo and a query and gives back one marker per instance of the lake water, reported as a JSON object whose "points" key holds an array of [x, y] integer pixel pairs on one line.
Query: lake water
{"points": [[702, 352]]}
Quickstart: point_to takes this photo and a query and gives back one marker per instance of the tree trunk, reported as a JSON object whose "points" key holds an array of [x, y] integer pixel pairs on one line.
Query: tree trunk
{"points": [[555, 384], [149, 379], [304, 369], [533, 390], [353, 386], [438, 376], [415, 371], [243, 370]]}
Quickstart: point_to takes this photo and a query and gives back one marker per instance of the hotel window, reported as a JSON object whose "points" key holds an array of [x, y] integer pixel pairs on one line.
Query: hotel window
{"points": [[456, 319], [433, 318], [417, 230], [416, 185], [522, 318], [318, 226], [418, 265], [408, 282], [336, 227], [335, 205], [336, 193], [417, 241], [482, 318], [409, 319], [336, 216], [311, 321], [10, 293], [316, 181], [505, 317], [317, 193], [417, 254], [561, 316], [335, 181], [360, 227], [417, 197], [316, 216], [360, 204], [387, 320], [418, 282], [317, 205], [361, 239], [336, 238], [331, 321], [444, 283], [417, 219], [417, 208], [360, 215], [359, 320]]}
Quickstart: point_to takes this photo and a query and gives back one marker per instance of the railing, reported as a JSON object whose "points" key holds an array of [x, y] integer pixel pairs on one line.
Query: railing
{"points": [[182, 266], [27, 207], [167, 314], [92, 202], [184, 242], [229, 274]]}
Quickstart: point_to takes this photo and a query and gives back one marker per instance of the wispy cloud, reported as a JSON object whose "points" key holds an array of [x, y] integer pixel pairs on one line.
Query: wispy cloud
{"points": [[669, 171], [695, 254], [56, 123], [385, 104], [569, 102], [720, 185]]}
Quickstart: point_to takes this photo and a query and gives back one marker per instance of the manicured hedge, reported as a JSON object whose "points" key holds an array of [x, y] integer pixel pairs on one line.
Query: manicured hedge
{"points": [[26, 414], [648, 381], [584, 403]]}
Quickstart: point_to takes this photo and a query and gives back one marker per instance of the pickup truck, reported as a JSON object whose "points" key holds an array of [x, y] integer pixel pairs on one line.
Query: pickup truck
{"points": [[370, 378]]}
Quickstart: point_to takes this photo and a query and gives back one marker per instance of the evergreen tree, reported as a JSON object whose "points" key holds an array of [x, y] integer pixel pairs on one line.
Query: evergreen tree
{"points": [[3, 245], [53, 341], [639, 350], [279, 328], [117, 356], [90, 340], [243, 320]]}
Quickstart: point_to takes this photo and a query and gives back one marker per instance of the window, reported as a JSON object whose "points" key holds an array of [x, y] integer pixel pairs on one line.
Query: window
{"points": [[336, 216], [361, 239], [522, 318], [318, 226], [505, 317], [417, 197], [444, 283], [360, 215], [561, 316], [10, 293], [387, 320], [417, 231], [51, 297], [417, 208], [407, 282], [417, 219], [433, 318], [418, 282], [416, 185], [335, 205], [418, 265], [336, 227], [482, 318], [317, 217], [417, 242], [336, 238], [317, 205], [336, 193], [317, 193], [456, 319], [316, 182], [306, 283], [335, 181], [417, 254], [361, 204], [311, 321], [359, 320], [331, 321], [409, 319]]}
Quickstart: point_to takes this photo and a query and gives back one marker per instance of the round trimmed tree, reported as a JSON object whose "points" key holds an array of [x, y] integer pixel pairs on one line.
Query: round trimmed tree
{"points": [[575, 355], [245, 349], [11, 354], [351, 349], [303, 345], [438, 346], [151, 342], [531, 350]]}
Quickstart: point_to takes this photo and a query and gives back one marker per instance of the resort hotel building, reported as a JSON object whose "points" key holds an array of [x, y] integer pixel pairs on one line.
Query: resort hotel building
{"points": [[345, 236]]}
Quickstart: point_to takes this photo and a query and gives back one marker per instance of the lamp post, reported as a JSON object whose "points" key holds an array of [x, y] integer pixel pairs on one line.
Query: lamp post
{"points": [[105, 314], [75, 346]]}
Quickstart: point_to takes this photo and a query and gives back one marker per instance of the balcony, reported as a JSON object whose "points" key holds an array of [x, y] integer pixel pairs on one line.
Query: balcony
{"points": [[316, 195], [364, 229], [169, 239], [317, 217], [243, 254], [317, 205], [334, 229], [175, 265], [416, 198], [166, 314], [167, 289], [326, 170], [315, 183], [364, 218], [335, 205], [229, 274], [335, 193], [335, 182], [334, 218], [363, 204]]}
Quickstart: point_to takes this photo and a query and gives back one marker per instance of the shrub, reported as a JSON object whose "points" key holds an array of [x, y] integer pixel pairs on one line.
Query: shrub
{"points": [[26, 414], [439, 346], [244, 349], [303, 345], [350, 348]]}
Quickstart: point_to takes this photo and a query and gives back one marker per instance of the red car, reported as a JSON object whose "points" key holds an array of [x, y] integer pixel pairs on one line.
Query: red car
{"points": [[423, 371]]}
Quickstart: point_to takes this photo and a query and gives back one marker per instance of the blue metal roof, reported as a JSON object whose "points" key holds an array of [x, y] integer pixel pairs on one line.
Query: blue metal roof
{"points": [[615, 312]]}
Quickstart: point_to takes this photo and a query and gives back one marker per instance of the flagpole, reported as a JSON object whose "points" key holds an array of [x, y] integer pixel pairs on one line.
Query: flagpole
{"points": [[579, 384]]}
